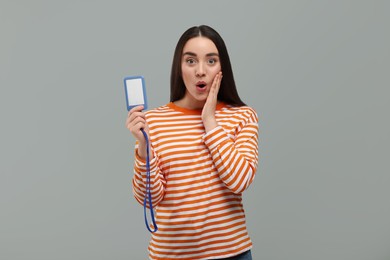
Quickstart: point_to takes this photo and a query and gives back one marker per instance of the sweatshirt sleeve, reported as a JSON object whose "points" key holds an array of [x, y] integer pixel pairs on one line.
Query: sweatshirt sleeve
{"points": [[235, 158], [157, 180]]}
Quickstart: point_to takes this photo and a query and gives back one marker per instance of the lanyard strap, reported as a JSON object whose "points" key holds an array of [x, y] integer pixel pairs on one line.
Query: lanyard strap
{"points": [[148, 194]]}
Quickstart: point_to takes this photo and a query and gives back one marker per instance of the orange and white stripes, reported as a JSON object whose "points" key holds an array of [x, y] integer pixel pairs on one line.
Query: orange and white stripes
{"points": [[197, 180]]}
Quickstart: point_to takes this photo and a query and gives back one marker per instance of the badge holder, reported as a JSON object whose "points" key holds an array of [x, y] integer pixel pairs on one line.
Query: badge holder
{"points": [[136, 96]]}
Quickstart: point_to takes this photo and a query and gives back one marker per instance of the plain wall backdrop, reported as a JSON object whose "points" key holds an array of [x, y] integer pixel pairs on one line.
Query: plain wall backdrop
{"points": [[317, 73]]}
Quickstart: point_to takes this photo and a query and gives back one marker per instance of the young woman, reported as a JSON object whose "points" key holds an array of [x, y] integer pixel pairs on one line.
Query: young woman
{"points": [[204, 154]]}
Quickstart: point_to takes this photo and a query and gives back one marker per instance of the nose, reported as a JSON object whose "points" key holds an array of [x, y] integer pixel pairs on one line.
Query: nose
{"points": [[200, 70]]}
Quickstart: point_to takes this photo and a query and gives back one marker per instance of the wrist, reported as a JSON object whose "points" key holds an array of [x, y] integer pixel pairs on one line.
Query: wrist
{"points": [[142, 151], [209, 124]]}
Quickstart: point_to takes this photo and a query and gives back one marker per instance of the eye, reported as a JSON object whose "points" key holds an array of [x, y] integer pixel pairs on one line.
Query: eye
{"points": [[190, 61], [212, 61]]}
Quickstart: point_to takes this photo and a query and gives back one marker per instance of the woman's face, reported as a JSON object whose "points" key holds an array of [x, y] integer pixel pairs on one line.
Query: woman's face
{"points": [[199, 65]]}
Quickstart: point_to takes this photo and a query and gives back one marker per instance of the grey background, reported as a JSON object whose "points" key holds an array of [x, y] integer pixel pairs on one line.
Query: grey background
{"points": [[315, 71]]}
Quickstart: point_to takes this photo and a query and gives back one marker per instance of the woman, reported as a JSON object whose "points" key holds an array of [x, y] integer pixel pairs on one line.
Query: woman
{"points": [[204, 154]]}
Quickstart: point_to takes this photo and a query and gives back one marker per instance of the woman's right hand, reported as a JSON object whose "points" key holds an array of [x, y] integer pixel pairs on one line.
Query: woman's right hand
{"points": [[134, 122]]}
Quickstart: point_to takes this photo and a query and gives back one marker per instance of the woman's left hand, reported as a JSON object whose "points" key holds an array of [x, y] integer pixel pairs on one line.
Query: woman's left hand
{"points": [[208, 111]]}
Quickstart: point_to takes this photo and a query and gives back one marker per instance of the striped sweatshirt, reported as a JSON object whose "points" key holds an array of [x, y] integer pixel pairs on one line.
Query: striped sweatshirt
{"points": [[197, 180]]}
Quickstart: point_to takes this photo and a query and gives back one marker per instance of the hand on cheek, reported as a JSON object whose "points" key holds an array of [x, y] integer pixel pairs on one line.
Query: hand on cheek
{"points": [[208, 112]]}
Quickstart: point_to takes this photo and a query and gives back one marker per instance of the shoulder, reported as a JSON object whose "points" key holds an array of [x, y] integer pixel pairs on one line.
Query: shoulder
{"points": [[246, 113], [158, 110], [165, 112]]}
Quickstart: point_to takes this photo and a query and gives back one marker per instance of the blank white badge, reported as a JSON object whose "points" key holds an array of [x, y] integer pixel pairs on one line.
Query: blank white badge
{"points": [[135, 92]]}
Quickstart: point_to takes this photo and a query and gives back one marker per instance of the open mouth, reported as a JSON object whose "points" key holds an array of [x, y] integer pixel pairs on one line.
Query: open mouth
{"points": [[201, 84]]}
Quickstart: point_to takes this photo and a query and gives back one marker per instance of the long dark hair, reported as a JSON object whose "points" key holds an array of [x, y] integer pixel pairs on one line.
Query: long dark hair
{"points": [[228, 91]]}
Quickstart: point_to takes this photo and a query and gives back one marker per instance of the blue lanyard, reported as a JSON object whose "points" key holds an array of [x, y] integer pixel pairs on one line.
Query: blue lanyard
{"points": [[148, 195]]}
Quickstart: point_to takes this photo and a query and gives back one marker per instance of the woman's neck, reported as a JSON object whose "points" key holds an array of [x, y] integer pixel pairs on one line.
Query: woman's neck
{"points": [[193, 105]]}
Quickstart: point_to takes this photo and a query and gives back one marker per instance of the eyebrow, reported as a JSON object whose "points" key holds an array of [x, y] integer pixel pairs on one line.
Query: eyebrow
{"points": [[194, 54]]}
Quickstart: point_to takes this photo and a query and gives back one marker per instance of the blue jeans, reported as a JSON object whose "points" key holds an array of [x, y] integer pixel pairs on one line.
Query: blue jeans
{"points": [[247, 255]]}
